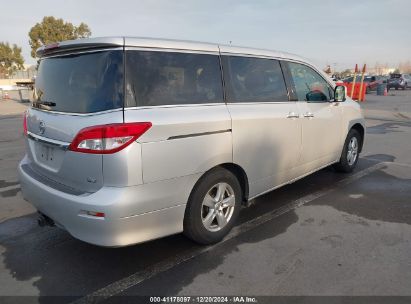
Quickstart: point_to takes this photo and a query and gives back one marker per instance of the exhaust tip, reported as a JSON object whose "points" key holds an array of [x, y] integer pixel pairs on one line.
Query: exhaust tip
{"points": [[43, 220]]}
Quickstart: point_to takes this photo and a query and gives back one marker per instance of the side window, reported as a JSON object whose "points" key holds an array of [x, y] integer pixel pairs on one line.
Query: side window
{"points": [[168, 78], [309, 85], [254, 80]]}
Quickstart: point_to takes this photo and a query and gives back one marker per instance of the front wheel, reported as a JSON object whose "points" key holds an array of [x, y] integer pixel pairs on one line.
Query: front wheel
{"points": [[350, 153], [213, 207]]}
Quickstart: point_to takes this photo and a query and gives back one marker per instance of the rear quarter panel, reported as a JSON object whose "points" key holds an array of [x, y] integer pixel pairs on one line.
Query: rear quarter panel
{"points": [[183, 140]]}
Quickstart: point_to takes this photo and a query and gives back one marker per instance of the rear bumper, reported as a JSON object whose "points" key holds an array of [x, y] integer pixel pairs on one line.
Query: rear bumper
{"points": [[132, 214], [395, 85]]}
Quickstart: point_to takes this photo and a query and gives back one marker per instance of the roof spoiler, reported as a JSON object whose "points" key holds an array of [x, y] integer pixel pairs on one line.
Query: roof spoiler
{"points": [[79, 44]]}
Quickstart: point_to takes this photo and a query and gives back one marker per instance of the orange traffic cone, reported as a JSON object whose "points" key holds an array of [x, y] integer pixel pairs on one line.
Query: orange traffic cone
{"points": [[385, 91]]}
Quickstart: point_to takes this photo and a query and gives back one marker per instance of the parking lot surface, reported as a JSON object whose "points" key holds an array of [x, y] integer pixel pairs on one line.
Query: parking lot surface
{"points": [[327, 234]]}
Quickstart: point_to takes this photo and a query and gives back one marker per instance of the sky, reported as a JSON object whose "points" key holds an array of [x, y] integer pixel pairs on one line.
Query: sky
{"points": [[340, 33]]}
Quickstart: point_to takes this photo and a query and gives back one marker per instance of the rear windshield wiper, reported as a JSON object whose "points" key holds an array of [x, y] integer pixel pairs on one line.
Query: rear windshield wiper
{"points": [[46, 103]]}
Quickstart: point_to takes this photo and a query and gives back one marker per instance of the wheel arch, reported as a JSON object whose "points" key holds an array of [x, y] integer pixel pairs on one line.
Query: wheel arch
{"points": [[359, 127], [238, 172], [241, 175]]}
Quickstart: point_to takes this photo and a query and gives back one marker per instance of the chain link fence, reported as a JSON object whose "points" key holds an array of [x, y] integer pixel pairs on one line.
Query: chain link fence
{"points": [[22, 94], [27, 74]]}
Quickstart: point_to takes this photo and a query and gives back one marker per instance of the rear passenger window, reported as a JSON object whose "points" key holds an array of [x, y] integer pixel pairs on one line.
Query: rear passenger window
{"points": [[168, 78], [309, 85], [254, 80]]}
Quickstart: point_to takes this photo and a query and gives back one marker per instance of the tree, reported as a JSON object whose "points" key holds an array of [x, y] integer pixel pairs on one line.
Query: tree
{"points": [[405, 67], [11, 59], [52, 30], [346, 73], [378, 68]]}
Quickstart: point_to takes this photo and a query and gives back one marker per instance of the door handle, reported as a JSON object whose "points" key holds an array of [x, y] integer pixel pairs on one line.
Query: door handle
{"points": [[293, 115], [308, 114]]}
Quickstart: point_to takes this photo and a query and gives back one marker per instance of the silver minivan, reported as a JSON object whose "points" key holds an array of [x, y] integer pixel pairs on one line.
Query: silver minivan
{"points": [[132, 139]]}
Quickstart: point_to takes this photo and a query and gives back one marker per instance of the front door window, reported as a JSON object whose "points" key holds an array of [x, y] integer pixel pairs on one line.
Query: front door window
{"points": [[309, 85]]}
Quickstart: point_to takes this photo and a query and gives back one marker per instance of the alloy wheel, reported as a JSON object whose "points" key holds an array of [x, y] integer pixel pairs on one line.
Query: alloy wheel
{"points": [[218, 207]]}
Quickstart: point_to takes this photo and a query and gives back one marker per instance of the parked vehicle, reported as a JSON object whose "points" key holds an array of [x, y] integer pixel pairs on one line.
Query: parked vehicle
{"points": [[371, 82], [397, 81], [407, 78], [132, 139], [335, 78], [385, 78]]}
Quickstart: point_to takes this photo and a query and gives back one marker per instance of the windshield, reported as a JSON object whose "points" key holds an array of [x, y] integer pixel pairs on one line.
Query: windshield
{"points": [[80, 83]]}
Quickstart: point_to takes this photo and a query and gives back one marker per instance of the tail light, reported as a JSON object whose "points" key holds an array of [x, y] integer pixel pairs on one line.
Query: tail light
{"points": [[25, 122], [107, 139]]}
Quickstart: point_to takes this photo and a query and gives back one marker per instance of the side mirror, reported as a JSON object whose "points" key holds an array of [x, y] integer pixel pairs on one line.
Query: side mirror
{"points": [[339, 93]]}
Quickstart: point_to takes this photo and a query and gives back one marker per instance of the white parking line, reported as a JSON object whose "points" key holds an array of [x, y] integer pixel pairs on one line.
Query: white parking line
{"points": [[9, 188], [391, 163], [121, 285]]}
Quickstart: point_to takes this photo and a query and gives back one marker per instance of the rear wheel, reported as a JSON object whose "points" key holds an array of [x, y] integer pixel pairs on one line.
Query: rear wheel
{"points": [[350, 153], [213, 207]]}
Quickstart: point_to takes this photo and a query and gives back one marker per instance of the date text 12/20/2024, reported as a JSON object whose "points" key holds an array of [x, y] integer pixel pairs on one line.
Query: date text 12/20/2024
{"points": [[205, 299]]}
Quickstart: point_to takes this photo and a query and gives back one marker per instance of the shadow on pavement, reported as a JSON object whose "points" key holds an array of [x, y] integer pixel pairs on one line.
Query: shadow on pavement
{"points": [[388, 127], [379, 196], [67, 267]]}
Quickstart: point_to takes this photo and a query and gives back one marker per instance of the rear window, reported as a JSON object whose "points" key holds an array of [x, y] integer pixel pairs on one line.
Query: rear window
{"points": [[254, 80], [80, 83], [168, 78], [395, 75]]}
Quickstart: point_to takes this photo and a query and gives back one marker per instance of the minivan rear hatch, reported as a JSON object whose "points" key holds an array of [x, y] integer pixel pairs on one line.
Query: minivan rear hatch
{"points": [[74, 89]]}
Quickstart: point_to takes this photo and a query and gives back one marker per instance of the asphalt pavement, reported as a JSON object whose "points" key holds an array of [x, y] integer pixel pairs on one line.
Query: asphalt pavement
{"points": [[328, 234]]}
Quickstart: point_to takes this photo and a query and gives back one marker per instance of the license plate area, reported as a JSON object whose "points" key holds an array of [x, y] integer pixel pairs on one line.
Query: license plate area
{"points": [[47, 156], [46, 153]]}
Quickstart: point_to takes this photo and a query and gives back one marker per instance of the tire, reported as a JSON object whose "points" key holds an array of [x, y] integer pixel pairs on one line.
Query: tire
{"points": [[204, 224], [396, 88], [347, 163]]}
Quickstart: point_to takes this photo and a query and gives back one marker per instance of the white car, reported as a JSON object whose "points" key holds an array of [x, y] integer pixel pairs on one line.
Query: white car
{"points": [[132, 139]]}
